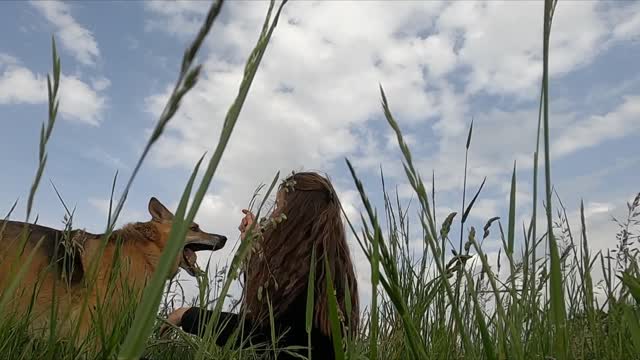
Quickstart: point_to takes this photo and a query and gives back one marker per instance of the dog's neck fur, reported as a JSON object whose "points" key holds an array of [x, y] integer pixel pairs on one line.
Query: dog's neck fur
{"points": [[136, 231], [137, 235]]}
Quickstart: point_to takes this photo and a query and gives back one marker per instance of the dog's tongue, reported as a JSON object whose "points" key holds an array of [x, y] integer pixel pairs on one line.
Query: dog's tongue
{"points": [[189, 256]]}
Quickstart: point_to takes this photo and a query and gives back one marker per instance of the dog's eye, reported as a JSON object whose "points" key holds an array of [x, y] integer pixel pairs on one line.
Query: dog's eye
{"points": [[194, 228]]}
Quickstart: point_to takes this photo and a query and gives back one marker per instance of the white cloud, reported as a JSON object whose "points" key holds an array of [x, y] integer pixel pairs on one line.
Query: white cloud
{"points": [[78, 101], [331, 93], [598, 128], [485, 209], [496, 131], [176, 17], [626, 21], [333, 67], [6, 59], [315, 98], [100, 83], [597, 180], [20, 85], [78, 40], [502, 43], [595, 208], [102, 156], [101, 205], [101, 208]]}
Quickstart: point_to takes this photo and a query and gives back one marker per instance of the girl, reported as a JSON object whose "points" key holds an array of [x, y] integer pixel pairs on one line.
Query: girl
{"points": [[279, 271]]}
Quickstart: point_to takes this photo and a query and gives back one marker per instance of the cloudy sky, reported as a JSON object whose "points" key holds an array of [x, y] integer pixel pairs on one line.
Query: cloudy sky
{"points": [[315, 101]]}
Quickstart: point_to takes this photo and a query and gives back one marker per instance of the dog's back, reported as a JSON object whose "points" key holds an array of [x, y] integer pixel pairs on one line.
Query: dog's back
{"points": [[53, 248], [53, 269]]}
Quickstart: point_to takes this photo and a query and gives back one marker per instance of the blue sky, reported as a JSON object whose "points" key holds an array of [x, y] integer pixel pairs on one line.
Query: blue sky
{"points": [[441, 64]]}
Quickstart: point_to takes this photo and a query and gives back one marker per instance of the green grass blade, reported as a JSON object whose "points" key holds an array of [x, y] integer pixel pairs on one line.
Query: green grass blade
{"points": [[241, 254], [348, 318], [145, 313], [512, 213], [632, 283], [375, 280], [177, 236], [272, 326], [336, 331], [310, 299], [391, 286], [231, 118], [633, 323], [428, 225], [15, 278], [487, 341], [503, 320], [467, 211], [45, 133], [557, 291], [587, 283], [464, 188], [186, 81]]}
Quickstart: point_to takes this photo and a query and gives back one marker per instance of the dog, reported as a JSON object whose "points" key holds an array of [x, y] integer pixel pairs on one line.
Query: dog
{"points": [[62, 262]]}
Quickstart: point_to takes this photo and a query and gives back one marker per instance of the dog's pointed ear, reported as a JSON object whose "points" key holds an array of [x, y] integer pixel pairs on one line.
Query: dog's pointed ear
{"points": [[158, 211]]}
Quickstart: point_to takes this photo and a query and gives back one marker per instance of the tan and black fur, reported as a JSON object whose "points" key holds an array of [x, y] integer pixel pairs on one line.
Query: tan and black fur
{"points": [[62, 263]]}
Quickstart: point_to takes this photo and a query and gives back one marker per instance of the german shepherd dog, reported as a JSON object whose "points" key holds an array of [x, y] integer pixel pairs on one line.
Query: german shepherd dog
{"points": [[61, 262]]}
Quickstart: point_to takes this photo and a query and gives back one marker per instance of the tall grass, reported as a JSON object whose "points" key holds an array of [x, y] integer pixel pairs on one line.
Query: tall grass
{"points": [[425, 304]]}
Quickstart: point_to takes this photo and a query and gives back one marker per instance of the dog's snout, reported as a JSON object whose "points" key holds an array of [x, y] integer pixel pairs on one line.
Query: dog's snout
{"points": [[222, 240]]}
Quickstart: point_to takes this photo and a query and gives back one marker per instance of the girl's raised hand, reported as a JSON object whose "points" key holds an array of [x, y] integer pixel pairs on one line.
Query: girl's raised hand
{"points": [[246, 222]]}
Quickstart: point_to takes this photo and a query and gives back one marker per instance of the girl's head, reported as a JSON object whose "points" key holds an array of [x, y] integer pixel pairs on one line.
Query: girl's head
{"points": [[280, 268]]}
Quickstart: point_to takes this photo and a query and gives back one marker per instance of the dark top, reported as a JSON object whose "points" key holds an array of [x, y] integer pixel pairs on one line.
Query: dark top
{"points": [[292, 321]]}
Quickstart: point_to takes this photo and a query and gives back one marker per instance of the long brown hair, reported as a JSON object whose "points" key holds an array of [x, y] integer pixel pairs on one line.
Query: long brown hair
{"points": [[280, 268]]}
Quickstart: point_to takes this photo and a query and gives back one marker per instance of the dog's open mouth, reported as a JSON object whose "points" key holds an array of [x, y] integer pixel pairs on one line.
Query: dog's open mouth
{"points": [[212, 242], [189, 256]]}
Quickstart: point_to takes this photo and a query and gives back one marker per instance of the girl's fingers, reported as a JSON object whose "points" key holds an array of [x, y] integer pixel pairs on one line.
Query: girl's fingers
{"points": [[247, 220]]}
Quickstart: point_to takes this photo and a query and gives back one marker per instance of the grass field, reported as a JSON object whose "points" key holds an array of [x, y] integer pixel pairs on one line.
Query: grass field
{"points": [[434, 306]]}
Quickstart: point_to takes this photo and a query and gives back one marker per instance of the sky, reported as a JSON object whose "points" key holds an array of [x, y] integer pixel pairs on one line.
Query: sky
{"points": [[315, 102]]}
